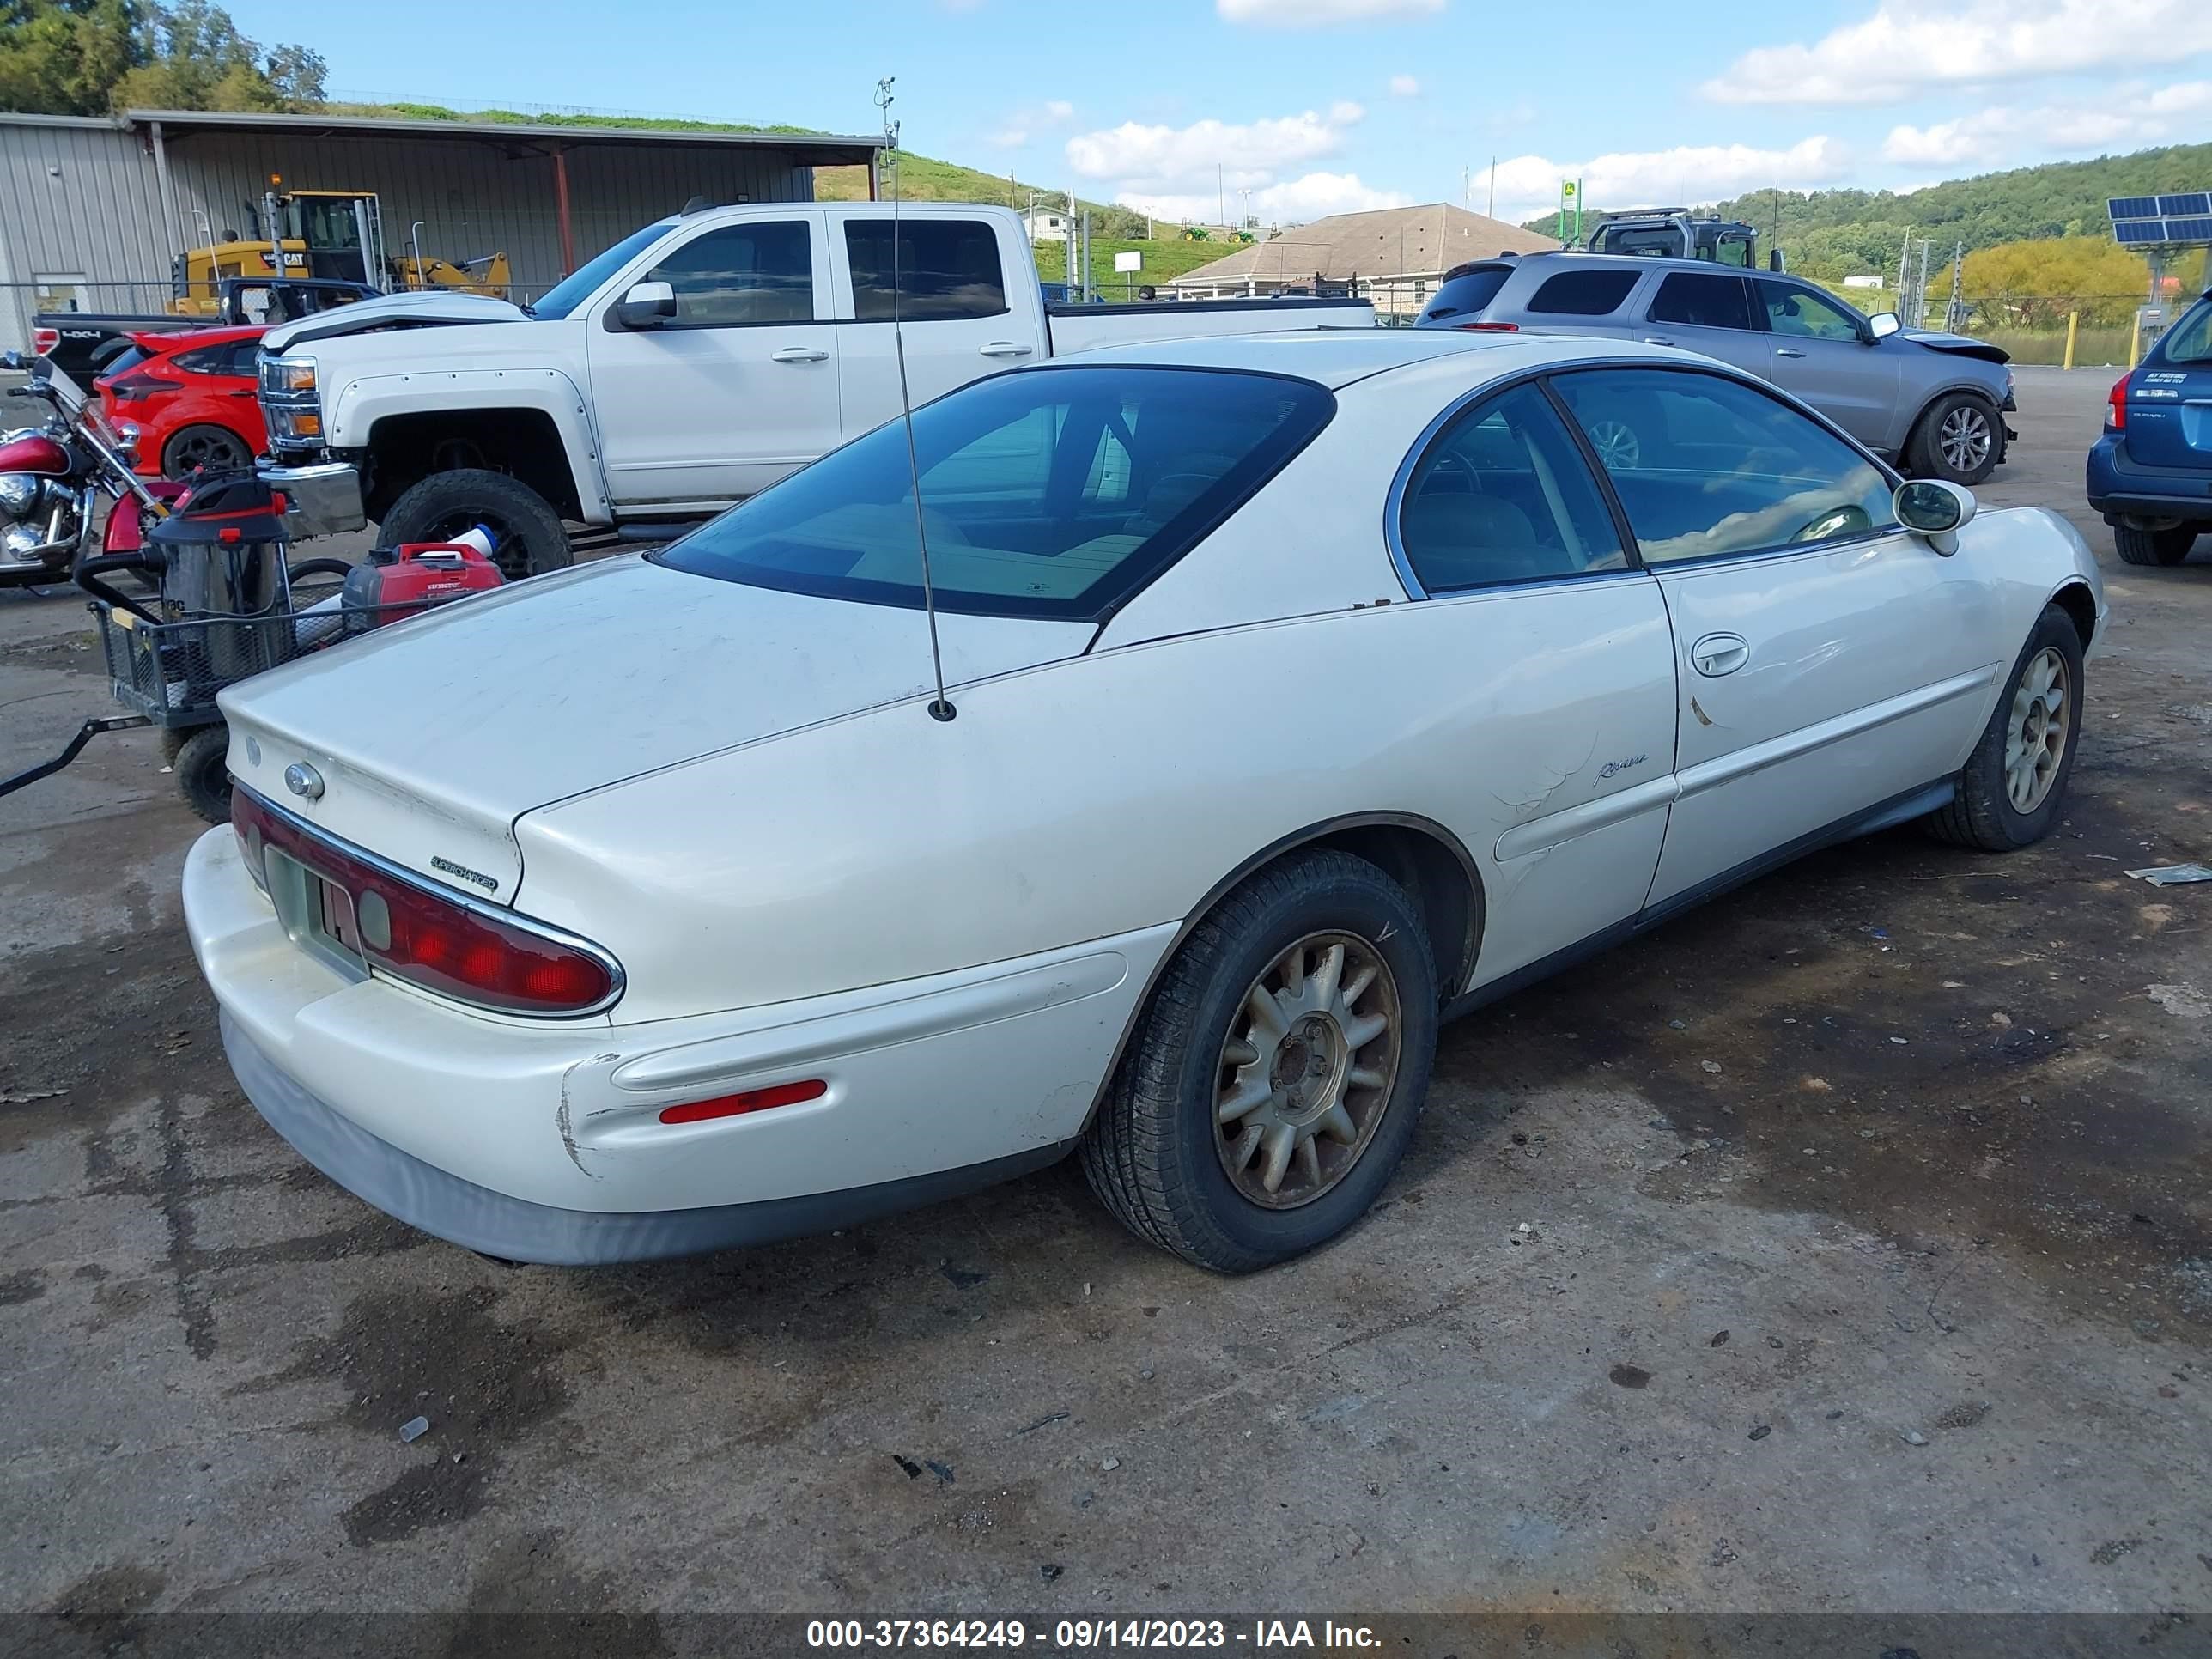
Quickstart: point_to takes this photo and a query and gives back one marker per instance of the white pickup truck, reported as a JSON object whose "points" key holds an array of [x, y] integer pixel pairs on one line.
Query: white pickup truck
{"points": [[694, 363]]}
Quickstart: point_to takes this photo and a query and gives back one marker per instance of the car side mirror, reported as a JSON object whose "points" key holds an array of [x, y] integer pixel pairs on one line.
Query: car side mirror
{"points": [[1882, 325], [647, 305], [1935, 511]]}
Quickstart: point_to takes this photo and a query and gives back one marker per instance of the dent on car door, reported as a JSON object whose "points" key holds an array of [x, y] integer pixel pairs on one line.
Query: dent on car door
{"points": [[1829, 661], [1553, 665]]}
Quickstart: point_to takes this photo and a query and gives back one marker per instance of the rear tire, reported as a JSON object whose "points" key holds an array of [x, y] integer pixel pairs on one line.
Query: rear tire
{"points": [[1959, 439], [1157, 1154], [205, 448], [2160, 547], [203, 772], [527, 537], [2003, 804]]}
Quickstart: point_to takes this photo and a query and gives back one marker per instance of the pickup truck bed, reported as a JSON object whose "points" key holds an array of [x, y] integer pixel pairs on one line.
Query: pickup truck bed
{"points": [[1074, 328], [85, 343]]}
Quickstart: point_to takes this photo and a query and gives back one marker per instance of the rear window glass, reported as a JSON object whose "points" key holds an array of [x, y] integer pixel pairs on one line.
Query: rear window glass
{"points": [[1702, 301], [1584, 293], [947, 268], [2190, 341], [1467, 292], [1053, 493], [124, 361]]}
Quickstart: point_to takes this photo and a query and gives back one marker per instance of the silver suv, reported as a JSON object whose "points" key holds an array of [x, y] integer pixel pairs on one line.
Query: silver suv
{"points": [[1932, 402]]}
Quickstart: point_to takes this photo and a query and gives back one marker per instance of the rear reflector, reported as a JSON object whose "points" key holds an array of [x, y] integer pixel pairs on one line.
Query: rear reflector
{"points": [[453, 946], [753, 1100]]}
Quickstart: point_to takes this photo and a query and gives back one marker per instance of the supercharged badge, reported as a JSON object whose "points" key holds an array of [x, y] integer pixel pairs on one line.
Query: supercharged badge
{"points": [[489, 883]]}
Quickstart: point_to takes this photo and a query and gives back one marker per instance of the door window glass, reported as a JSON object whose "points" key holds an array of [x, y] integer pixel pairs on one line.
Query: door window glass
{"points": [[1706, 466], [1702, 301], [1584, 293], [1502, 495], [1800, 311], [741, 274], [947, 268]]}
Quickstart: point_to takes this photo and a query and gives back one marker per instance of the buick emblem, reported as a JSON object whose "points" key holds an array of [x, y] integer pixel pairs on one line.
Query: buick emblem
{"points": [[303, 780]]}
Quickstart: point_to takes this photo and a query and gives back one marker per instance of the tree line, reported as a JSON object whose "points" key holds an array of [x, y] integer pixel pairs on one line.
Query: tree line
{"points": [[94, 56]]}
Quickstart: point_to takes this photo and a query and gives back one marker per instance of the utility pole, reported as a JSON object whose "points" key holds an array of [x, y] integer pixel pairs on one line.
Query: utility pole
{"points": [[1920, 294], [1492, 209], [1955, 314], [1904, 277]]}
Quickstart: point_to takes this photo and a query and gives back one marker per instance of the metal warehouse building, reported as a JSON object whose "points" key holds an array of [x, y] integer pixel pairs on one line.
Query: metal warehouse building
{"points": [[94, 211]]}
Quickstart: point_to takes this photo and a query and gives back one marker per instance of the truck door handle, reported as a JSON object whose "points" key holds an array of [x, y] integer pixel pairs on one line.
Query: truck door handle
{"points": [[798, 354], [1655, 339], [1717, 654], [1005, 349], [1787, 351]]}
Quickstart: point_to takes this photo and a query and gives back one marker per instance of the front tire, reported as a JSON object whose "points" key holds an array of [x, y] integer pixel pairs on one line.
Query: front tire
{"points": [[527, 537], [1274, 1077], [1958, 439], [2014, 782], [2161, 547]]}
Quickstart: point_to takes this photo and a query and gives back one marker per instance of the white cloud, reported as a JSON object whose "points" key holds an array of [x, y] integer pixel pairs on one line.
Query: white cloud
{"points": [[1059, 110], [1316, 14], [2127, 117], [1681, 177], [1021, 126], [1405, 86], [1313, 195], [1910, 46], [1160, 159]]}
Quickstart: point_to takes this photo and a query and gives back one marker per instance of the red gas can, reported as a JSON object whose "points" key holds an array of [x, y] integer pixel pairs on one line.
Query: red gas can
{"points": [[394, 582]]}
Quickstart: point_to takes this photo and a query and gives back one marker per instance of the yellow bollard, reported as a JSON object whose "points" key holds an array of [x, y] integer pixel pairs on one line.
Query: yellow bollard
{"points": [[2135, 342], [2073, 322]]}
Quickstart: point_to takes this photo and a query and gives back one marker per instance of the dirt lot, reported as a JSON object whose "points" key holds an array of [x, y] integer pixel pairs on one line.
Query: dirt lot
{"points": [[1868, 1266]]}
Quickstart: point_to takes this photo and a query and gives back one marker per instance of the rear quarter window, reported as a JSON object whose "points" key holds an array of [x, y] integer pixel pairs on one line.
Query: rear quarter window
{"points": [[1466, 294], [1584, 293], [2190, 339]]}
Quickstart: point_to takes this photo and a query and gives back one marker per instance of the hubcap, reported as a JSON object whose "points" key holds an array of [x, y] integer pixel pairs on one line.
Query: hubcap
{"points": [[1616, 442], [2035, 739], [207, 450], [1306, 1070], [1964, 439]]}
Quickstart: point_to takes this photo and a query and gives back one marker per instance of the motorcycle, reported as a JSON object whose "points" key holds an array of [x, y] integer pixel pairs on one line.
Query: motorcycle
{"points": [[52, 475]]}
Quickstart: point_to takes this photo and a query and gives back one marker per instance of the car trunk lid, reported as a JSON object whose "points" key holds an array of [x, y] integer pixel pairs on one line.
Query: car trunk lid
{"points": [[2170, 414], [425, 741]]}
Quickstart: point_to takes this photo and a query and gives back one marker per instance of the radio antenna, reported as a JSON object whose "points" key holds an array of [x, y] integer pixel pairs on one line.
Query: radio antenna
{"points": [[940, 708]]}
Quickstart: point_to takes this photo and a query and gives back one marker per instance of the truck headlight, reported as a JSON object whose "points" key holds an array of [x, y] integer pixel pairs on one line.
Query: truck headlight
{"points": [[293, 375]]}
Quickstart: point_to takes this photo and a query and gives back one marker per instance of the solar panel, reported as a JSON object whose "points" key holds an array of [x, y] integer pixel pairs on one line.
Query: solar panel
{"points": [[2189, 202], [2197, 228], [2132, 207], [2139, 232]]}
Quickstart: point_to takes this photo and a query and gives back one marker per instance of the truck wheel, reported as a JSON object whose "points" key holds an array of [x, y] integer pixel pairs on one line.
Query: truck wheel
{"points": [[203, 774], [205, 448], [2168, 546], [1273, 1081], [527, 538], [1956, 440]]}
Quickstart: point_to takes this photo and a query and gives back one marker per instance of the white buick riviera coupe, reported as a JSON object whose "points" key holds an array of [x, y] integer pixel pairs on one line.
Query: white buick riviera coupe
{"points": [[1304, 690]]}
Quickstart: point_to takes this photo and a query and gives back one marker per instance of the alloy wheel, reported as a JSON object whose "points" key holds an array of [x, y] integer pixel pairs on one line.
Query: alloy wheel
{"points": [[2035, 736], [1616, 443], [1306, 1070], [1964, 439]]}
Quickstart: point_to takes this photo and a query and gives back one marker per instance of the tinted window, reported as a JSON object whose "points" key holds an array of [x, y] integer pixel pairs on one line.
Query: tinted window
{"points": [[1584, 293], [753, 273], [2190, 341], [1057, 492], [207, 360], [1809, 315], [1502, 495], [124, 360], [1706, 465], [244, 358], [946, 268], [1466, 292], [572, 291], [1702, 301]]}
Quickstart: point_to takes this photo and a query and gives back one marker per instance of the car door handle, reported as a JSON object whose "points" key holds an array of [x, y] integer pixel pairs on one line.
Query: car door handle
{"points": [[1655, 339], [798, 354], [1004, 349], [1787, 351], [1717, 654]]}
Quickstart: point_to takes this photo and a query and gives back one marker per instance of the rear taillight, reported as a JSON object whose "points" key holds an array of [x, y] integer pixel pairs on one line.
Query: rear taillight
{"points": [[1488, 328], [128, 388], [2116, 406], [413, 931], [44, 340]]}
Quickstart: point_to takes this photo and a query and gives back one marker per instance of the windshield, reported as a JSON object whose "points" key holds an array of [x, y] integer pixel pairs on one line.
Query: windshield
{"points": [[572, 291], [1047, 493], [2191, 342]]}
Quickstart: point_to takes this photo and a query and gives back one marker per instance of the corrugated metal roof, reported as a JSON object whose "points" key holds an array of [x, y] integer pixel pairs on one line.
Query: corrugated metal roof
{"points": [[1408, 242]]}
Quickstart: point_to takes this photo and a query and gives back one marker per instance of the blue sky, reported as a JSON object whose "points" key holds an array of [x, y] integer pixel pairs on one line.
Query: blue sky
{"points": [[1321, 106]]}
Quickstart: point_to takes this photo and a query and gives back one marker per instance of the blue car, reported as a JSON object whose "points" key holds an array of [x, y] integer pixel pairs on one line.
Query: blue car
{"points": [[2150, 475]]}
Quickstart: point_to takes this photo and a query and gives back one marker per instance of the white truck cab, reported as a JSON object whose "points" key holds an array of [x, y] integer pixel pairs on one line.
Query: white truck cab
{"points": [[693, 363]]}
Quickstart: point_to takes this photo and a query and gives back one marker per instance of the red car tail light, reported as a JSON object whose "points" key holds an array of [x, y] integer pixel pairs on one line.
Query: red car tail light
{"points": [[2116, 406], [1488, 328], [129, 387], [406, 927], [44, 340]]}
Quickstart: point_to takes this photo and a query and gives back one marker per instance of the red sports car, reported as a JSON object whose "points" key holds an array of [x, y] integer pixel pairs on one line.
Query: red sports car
{"points": [[192, 396]]}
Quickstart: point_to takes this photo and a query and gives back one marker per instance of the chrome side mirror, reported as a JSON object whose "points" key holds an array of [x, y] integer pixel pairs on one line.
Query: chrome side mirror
{"points": [[1883, 324], [1935, 511], [647, 305]]}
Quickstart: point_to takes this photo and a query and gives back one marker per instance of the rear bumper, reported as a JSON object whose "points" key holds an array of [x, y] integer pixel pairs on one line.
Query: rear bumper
{"points": [[2119, 488], [541, 1140]]}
